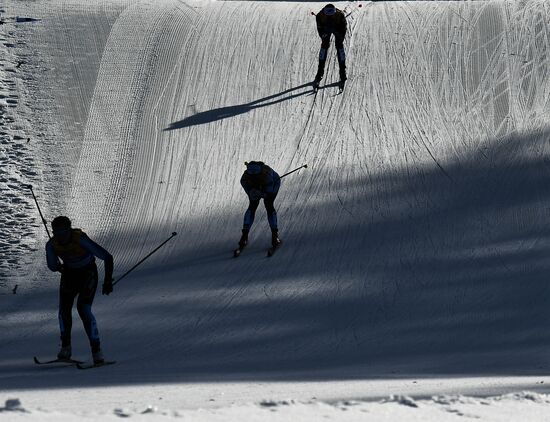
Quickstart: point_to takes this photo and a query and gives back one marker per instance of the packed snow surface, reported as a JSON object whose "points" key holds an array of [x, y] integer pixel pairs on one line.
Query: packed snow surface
{"points": [[413, 277]]}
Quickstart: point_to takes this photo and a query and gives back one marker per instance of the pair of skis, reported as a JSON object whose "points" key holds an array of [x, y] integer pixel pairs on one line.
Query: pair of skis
{"points": [[70, 362], [341, 86], [237, 252]]}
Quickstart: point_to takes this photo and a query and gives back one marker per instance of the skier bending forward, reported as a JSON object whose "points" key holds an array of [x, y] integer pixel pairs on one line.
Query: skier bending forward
{"points": [[331, 20], [78, 278], [260, 181]]}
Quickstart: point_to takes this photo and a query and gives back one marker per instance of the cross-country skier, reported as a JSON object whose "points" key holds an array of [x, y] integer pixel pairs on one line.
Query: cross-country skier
{"points": [[331, 21], [78, 278], [260, 181]]}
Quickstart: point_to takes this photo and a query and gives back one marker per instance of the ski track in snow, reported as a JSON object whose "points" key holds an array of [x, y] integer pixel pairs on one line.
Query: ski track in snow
{"points": [[415, 242]]}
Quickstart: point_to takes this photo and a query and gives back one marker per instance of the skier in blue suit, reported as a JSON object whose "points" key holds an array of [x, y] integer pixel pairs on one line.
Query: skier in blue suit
{"points": [[78, 278], [260, 181]]}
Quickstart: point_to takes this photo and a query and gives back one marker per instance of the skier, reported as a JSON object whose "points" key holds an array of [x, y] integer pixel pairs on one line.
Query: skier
{"points": [[331, 20], [260, 181], [78, 278]]}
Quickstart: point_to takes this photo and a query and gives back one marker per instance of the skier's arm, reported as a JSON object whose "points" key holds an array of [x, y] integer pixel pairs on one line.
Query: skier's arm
{"points": [[321, 28], [100, 253], [344, 25], [52, 259], [276, 181], [273, 182], [245, 184]]}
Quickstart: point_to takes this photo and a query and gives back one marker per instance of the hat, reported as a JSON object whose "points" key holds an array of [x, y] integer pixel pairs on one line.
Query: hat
{"points": [[329, 9], [61, 223], [254, 167]]}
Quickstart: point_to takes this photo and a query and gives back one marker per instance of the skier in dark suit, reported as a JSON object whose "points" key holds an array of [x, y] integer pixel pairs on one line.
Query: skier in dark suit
{"points": [[331, 21], [260, 181], [78, 278]]}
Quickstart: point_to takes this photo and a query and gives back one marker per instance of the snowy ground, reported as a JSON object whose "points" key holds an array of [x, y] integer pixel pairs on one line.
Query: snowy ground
{"points": [[531, 407], [415, 244]]}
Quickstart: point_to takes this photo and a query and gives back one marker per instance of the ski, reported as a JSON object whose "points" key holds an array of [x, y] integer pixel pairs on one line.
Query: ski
{"points": [[317, 87], [48, 362], [90, 365]]}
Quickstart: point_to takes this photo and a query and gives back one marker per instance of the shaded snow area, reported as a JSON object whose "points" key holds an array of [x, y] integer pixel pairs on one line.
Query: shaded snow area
{"points": [[412, 282]]}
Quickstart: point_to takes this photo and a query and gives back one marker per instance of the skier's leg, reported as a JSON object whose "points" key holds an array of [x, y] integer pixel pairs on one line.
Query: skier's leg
{"points": [[66, 299], [248, 221], [269, 201], [250, 214], [341, 54], [325, 44], [88, 287]]}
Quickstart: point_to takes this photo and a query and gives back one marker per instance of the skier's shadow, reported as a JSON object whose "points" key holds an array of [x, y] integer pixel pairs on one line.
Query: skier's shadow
{"points": [[231, 111]]}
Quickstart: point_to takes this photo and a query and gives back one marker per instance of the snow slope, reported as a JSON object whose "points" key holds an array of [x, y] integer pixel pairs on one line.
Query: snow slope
{"points": [[414, 244]]}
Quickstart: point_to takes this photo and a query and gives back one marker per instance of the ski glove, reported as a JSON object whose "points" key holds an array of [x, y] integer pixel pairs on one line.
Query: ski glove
{"points": [[107, 287]]}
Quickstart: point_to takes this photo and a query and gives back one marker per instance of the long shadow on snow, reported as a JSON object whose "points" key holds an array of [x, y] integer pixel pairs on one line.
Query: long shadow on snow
{"points": [[408, 272], [232, 111]]}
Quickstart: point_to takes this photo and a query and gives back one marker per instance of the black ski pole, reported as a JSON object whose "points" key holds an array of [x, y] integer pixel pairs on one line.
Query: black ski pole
{"points": [[40, 211], [290, 172], [150, 253]]}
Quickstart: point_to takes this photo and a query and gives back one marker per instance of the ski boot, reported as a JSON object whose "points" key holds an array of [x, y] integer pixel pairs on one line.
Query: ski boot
{"points": [[242, 243], [343, 78], [244, 239], [97, 354], [64, 353], [316, 82], [98, 357], [275, 241], [318, 76]]}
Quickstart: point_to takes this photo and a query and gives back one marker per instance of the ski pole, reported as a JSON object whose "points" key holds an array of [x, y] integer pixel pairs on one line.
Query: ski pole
{"points": [[150, 253], [296, 169], [40, 211]]}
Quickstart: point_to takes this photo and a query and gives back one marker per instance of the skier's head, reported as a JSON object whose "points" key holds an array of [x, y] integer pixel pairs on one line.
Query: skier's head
{"points": [[254, 167], [61, 227], [329, 9]]}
